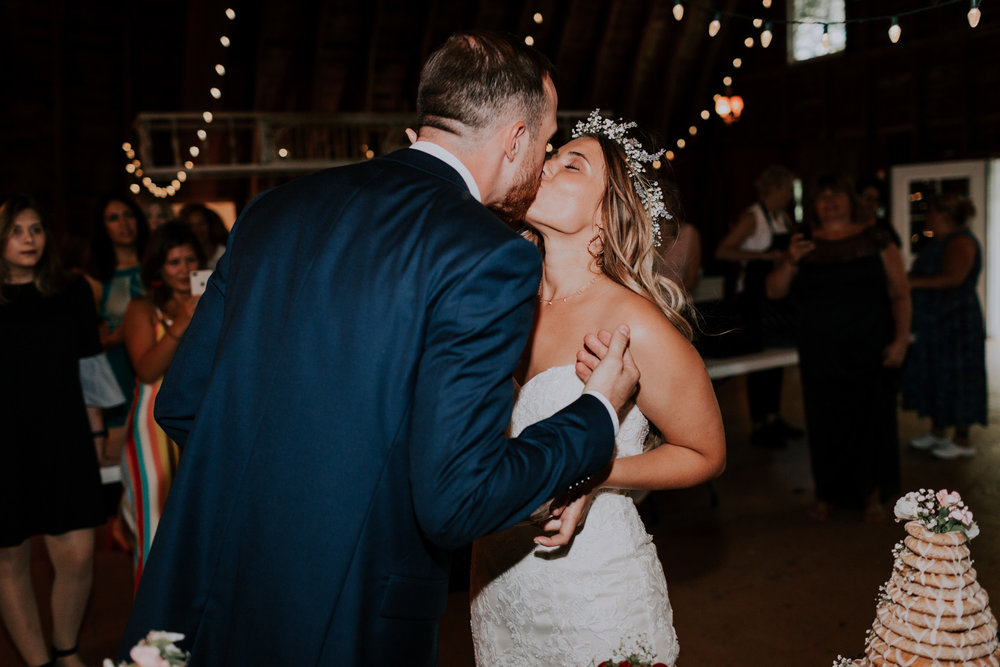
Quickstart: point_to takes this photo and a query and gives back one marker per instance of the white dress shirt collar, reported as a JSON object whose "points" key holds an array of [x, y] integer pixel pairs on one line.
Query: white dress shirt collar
{"points": [[449, 159]]}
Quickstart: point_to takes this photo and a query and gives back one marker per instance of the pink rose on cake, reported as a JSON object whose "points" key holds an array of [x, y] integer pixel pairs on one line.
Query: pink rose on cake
{"points": [[947, 499]]}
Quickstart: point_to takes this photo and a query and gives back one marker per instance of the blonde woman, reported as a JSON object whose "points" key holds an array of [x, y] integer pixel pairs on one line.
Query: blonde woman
{"points": [[594, 220]]}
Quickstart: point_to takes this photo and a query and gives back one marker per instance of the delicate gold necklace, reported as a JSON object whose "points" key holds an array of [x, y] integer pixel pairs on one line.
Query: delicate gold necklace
{"points": [[563, 299]]}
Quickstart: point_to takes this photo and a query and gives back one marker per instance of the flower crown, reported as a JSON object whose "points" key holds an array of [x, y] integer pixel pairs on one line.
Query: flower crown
{"points": [[647, 188]]}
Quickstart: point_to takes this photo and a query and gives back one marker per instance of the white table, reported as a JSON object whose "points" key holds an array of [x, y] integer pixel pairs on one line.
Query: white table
{"points": [[748, 363]]}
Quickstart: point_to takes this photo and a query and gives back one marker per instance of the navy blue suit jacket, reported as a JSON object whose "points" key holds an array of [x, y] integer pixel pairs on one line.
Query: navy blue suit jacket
{"points": [[341, 397]]}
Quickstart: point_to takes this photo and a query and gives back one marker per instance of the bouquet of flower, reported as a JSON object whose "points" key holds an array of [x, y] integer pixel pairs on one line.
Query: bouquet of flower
{"points": [[156, 650], [939, 511]]}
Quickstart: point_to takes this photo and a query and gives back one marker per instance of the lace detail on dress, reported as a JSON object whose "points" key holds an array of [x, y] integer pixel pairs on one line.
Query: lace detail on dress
{"points": [[578, 604]]}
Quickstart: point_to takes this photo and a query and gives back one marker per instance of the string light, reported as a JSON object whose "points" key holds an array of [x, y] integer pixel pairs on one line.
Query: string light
{"points": [[537, 17], [894, 30], [757, 23], [748, 42], [693, 130], [529, 40], [766, 3], [705, 115], [669, 155], [765, 37], [678, 10], [715, 25], [737, 62], [974, 13], [134, 167]]}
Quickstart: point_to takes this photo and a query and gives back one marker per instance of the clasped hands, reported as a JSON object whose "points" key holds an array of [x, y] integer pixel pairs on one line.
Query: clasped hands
{"points": [[606, 366]]}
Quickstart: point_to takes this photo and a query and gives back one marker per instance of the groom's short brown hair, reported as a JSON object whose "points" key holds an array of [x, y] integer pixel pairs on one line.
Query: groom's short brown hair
{"points": [[479, 77]]}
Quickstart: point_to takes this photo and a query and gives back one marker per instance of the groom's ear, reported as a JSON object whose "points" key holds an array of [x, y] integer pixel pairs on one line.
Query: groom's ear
{"points": [[514, 140]]}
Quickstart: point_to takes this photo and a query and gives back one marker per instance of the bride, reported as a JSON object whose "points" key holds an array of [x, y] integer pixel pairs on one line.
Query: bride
{"points": [[596, 221]]}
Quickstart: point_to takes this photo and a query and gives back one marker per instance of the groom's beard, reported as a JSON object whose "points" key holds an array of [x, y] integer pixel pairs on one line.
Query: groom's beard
{"points": [[518, 199]]}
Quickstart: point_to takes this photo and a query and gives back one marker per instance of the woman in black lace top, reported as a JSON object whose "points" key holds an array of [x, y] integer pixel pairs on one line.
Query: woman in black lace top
{"points": [[849, 286]]}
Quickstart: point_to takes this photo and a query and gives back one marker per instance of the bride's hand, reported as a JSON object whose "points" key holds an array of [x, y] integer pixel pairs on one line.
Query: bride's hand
{"points": [[565, 520]]}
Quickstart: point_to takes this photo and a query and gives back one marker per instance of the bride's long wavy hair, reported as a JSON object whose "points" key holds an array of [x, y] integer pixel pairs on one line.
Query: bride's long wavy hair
{"points": [[629, 245]]}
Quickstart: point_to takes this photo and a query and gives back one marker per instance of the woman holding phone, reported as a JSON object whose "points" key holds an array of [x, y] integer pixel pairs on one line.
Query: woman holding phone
{"points": [[154, 325]]}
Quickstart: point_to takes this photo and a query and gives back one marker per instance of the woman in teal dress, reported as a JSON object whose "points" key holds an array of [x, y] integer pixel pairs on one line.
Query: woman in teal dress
{"points": [[118, 238], [945, 373]]}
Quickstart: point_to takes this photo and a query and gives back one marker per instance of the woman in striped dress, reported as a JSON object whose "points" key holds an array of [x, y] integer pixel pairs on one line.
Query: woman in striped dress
{"points": [[153, 328]]}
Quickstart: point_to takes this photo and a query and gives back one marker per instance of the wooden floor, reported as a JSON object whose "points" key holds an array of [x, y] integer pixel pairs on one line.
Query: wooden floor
{"points": [[753, 581]]}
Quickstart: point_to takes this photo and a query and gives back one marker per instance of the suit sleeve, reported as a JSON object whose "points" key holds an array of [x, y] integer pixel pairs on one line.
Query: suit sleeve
{"points": [[468, 479]]}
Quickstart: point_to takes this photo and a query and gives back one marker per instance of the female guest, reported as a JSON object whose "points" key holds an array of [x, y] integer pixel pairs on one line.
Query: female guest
{"points": [[118, 238], [853, 302], [50, 484], [758, 240], [680, 252], [945, 372], [153, 327], [210, 230]]}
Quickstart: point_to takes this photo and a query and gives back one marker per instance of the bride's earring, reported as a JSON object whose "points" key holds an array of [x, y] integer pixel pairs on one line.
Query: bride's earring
{"points": [[597, 253]]}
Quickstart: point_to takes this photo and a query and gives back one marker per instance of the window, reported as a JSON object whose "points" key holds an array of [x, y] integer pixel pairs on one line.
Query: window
{"points": [[806, 31]]}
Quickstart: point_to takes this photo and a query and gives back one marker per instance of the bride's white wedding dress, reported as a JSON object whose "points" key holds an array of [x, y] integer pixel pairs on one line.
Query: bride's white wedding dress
{"points": [[580, 604]]}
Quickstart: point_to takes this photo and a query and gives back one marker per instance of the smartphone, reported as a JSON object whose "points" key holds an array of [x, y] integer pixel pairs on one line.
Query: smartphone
{"points": [[199, 279]]}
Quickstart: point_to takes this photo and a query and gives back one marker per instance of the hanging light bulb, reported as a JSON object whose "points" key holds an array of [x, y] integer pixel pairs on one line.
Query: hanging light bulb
{"points": [[765, 37], [678, 10], [714, 26], [825, 39], [974, 13], [894, 30]]}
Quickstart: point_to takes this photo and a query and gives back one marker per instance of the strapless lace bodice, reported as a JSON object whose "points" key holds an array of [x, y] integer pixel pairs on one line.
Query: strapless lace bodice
{"points": [[555, 388], [579, 604]]}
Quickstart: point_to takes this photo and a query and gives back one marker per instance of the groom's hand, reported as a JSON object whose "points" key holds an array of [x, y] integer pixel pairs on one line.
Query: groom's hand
{"points": [[606, 366]]}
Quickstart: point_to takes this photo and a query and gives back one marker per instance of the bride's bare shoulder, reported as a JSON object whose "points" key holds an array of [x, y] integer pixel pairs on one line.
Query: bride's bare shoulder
{"points": [[651, 331]]}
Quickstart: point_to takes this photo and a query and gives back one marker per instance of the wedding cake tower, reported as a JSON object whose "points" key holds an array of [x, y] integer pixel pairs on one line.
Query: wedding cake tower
{"points": [[932, 612]]}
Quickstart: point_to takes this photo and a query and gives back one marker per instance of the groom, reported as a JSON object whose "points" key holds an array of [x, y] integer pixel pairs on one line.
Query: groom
{"points": [[342, 392]]}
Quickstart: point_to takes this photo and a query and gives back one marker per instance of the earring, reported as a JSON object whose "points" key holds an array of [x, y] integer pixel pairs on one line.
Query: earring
{"points": [[600, 251]]}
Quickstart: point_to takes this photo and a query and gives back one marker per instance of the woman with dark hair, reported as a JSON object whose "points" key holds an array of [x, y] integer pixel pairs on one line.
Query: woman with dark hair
{"points": [[153, 327], [849, 288], [595, 218], [50, 484], [208, 228], [945, 372], [117, 240]]}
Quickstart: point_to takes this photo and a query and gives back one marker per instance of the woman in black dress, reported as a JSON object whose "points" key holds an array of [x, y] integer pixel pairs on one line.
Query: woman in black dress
{"points": [[50, 483], [849, 287]]}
